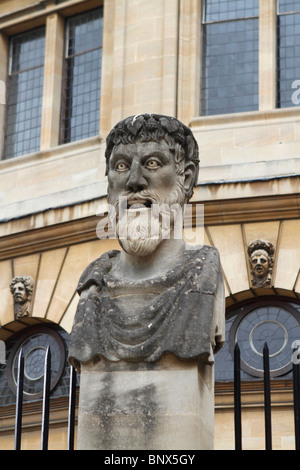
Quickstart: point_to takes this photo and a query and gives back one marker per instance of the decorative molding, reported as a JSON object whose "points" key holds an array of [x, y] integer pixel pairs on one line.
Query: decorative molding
{"points": [[48, 238], [17, 20], [221, 212], [256, 209], [245, 296], [245, 118]]}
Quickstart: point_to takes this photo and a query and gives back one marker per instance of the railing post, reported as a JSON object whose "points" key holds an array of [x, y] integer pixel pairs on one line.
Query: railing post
{"points": [[237, 398], [72, 400], [19, 402], [267, 395], [296, 390], [46, 401]]}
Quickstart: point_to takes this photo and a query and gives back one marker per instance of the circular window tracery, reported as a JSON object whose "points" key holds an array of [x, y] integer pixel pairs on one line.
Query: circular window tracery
{"points": [[273, 322], [34, 344]]}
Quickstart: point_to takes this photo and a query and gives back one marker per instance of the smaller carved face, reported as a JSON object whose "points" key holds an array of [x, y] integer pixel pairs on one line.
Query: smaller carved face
{"points": [[260, 263], [19, 293]]}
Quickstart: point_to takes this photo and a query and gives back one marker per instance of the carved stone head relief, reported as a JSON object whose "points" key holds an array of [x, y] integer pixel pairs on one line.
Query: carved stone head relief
{"points": [[261, 258], [21, 288]]}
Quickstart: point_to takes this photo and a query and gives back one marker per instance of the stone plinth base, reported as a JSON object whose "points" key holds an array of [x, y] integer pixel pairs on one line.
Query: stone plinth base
{"points": [[168, 404]]}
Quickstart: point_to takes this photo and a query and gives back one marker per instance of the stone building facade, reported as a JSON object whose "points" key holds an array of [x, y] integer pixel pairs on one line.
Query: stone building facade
{"points": [[69, 70]]}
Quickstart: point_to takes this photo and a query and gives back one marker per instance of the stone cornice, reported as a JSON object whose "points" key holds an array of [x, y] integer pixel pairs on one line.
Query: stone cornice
{"points": [[257, 209], [19, 240], [49, 237], [245, 118], [35, 12]]}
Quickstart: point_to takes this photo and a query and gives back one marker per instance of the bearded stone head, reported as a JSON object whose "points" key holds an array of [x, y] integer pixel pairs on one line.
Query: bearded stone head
{"points": [[152, 164]]}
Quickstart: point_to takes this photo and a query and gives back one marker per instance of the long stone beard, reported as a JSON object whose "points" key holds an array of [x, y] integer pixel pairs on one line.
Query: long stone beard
{"points": [[140, 230], [138, 240]]}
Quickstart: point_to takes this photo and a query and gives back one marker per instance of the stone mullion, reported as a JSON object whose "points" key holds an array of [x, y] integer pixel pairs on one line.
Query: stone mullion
{"points": [[267, 55], [189, 57], [3, 86], [52, 81]]}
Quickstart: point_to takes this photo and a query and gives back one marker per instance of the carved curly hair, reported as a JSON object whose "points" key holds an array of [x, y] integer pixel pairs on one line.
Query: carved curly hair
{"points": [[266, 247], [26, 280], [155, 127], [261, 245]]}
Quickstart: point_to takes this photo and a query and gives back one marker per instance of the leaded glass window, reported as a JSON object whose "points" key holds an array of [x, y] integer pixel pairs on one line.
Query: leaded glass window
{"points": [[82, 76], [229, 69], [25, 93], [288, 57], [34, 341], [251, 325]]}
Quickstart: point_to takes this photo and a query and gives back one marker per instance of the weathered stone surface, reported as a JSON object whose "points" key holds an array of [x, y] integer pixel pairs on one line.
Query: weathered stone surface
{"points": [[168, 404], [150, 316], [179, 312]]}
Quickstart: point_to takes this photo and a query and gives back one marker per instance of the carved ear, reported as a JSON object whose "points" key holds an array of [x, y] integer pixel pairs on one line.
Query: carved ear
{"points": [[190, 178]]}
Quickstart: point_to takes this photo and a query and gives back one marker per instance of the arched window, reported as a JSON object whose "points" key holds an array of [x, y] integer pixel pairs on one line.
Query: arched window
{"points": [[34, 341], [252, 324]]}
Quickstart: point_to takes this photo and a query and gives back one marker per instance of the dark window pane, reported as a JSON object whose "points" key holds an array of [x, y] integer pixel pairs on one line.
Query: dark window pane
{"points": [[220, 10], [25, 91], [85, 32], [229, 67], [288, 69], [285, 6], [28, 50], [81, 107]]}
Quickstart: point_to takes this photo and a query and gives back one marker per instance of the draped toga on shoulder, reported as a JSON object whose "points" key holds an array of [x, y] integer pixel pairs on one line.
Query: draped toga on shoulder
{"points": [[185, 317]]}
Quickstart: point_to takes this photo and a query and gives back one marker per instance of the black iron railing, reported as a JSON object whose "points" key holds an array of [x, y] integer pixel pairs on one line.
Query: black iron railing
{"points": [[237, 402], [46, 404], [267, 400]]}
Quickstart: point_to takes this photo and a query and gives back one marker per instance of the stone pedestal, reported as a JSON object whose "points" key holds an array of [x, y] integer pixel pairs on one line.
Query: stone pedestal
{"points": [[168, 404]]}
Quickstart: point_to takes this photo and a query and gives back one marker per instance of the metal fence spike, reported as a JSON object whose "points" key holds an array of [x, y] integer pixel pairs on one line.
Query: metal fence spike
{"points": [[237, 398], [267, 397], [46, 401], [19, 401]]}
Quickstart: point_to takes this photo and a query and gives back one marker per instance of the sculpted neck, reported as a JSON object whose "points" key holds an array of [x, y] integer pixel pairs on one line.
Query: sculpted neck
{"points": [[159, 261]]}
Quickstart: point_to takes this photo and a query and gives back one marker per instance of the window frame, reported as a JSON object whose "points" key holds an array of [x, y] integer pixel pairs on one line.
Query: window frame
{"points": [[53, 18], [236, 317], [64, 79], [205, 111], [278, 69], [189, 66], [10, 74]]}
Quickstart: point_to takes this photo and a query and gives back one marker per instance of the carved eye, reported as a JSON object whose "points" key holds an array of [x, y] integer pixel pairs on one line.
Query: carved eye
{"points": [[121, 166], [153, 164]]}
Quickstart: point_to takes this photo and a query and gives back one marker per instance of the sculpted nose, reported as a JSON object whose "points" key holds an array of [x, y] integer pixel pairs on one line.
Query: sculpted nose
{"points": [[136, 181]]}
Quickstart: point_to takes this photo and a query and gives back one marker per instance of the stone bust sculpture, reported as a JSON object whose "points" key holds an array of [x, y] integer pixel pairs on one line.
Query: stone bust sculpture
{"points": [[21, 288], [261, 256], [155, 295]]}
